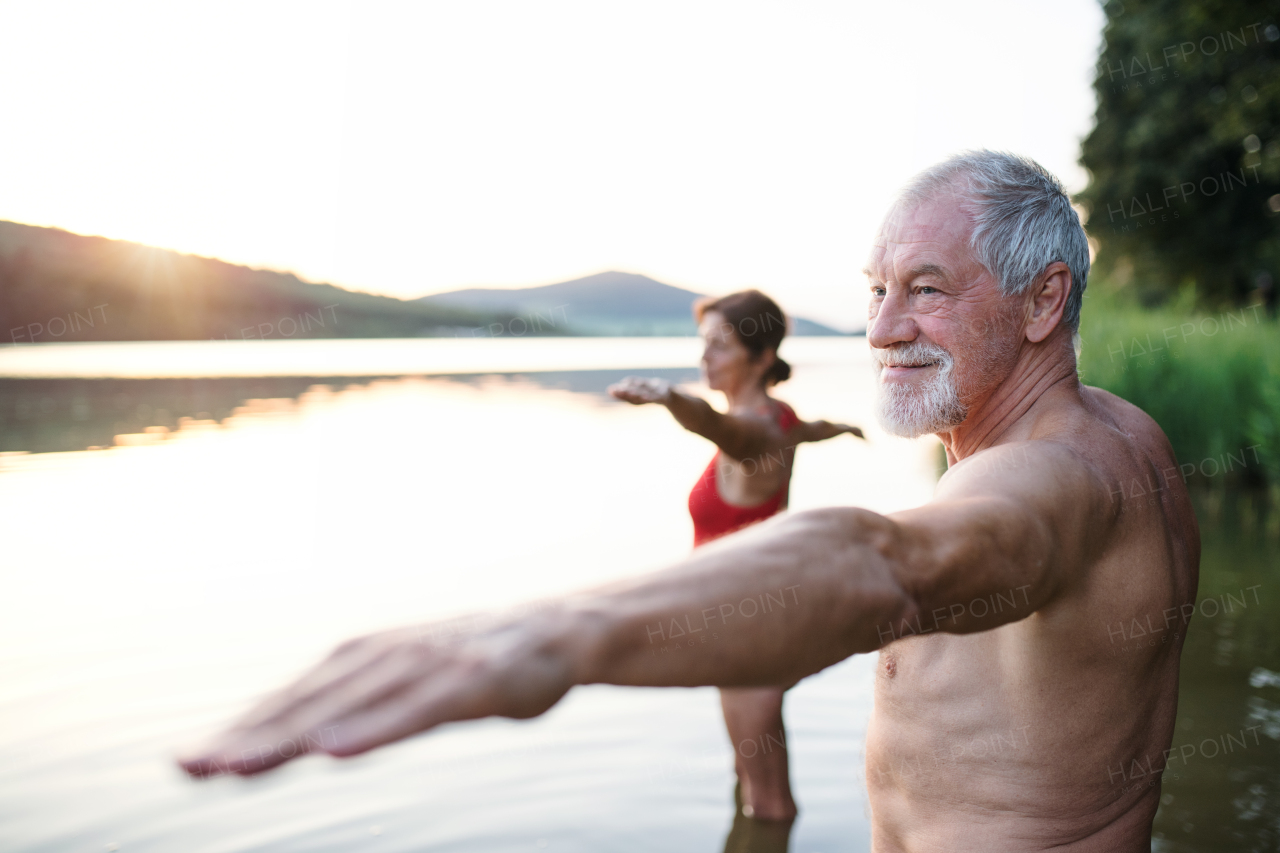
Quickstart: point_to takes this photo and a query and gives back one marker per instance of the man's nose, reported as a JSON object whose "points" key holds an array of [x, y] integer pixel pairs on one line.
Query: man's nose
{"points": [[893, 322]]}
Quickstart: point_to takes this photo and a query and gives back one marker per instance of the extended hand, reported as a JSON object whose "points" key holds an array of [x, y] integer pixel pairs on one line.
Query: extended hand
{"points": [[821, 431], [638, 391], [378, 689]]}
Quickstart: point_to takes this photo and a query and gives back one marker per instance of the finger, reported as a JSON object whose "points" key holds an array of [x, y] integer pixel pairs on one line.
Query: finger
{"points": [[252, 755], [252, 748], [382, 682], [344, 664]]}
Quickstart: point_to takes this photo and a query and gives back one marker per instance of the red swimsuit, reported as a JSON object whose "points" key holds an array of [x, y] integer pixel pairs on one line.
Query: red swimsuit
{"points": [[712, 517]]}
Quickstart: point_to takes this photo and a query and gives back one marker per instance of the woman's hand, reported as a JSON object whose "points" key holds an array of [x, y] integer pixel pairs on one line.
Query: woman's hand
{"points": [[638, 390], [378, 689]]}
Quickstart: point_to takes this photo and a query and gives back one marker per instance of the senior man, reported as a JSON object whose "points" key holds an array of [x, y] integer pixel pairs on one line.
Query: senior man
{"points": [[1005, 717]]}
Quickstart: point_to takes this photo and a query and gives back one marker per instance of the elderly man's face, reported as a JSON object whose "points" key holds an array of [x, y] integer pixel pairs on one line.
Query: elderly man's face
{"points": [[941, 334]]}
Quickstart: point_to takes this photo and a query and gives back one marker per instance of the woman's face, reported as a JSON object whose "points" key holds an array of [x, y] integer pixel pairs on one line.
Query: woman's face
{"points": [[726, 363]]}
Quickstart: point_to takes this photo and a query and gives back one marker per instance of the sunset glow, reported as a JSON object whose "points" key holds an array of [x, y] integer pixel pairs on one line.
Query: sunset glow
{"points": [[434, 147]]}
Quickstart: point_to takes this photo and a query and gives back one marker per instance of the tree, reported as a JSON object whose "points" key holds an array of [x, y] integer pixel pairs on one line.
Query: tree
{"points": [[1184, 156]]}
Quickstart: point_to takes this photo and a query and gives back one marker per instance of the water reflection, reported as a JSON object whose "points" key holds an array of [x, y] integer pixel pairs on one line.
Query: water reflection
{"points": [[136, 582], [1221, 787], [152, 592], [50, 415], [748, 835]]}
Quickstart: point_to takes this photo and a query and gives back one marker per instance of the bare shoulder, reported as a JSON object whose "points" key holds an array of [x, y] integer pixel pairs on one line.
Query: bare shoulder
{"points": [[1128, 442], [1147, 466], [1125, 417], [1053, 486], [763, 421], [1065, 464], [1118, 409], [1076, 464], [1017, 468], [1144, 481]]}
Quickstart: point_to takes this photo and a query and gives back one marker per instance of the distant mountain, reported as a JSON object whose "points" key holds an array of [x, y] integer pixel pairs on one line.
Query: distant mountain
{"points": [[58, 286], [608, 303]]}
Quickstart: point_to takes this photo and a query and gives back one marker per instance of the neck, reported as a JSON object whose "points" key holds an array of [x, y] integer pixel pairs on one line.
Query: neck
{"points": [[1048, 367], [746, 398]]}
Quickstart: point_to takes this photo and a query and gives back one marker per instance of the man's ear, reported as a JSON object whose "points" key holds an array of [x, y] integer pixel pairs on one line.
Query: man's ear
{"points": [[1048, 301]]}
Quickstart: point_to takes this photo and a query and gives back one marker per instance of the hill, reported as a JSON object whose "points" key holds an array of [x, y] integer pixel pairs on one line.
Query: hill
{"points": [[608, 303], [58, 286]]}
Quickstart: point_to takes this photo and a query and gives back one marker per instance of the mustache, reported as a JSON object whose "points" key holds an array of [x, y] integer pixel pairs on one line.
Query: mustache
{"points": [[914, 354]]}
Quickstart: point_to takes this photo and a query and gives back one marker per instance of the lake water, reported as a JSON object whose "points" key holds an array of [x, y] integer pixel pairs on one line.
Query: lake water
{"points": [[250, 507]]}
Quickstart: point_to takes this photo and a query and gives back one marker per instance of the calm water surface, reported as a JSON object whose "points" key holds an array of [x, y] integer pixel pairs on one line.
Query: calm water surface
{"points": [[154, 589]]}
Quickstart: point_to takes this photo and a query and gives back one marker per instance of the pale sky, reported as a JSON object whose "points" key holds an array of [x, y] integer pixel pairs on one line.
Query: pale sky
{"points": [[416, 148]]}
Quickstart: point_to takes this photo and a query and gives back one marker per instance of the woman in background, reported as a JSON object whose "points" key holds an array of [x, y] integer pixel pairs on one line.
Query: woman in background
{"points": [[747, 481]]}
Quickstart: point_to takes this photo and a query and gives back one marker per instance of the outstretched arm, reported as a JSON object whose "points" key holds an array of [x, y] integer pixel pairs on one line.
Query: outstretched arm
{"points": [[828, 584], [1020, 525], [819, 431], [739, 437]]}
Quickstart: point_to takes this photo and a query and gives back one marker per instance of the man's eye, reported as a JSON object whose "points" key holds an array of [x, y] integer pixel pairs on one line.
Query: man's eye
{"points": [[928, 289], [877, 291]]}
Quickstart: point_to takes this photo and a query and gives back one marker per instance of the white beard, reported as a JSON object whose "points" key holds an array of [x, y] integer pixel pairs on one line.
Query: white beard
{"points": [[912, 411]]}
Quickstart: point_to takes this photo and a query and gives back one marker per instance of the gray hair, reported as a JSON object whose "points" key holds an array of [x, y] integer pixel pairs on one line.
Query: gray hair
{"points": [[1022, 220]]}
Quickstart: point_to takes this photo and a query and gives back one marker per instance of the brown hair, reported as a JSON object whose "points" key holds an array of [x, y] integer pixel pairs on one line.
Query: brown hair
{"points": [[758, 322]]}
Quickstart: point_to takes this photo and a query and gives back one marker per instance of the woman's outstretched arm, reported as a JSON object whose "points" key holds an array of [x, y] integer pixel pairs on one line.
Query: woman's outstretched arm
{"points": [[819, 431], [738, 436]]}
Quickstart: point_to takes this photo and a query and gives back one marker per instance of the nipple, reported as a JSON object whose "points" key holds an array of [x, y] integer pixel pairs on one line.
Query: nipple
{"points": [[890, 666]]}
